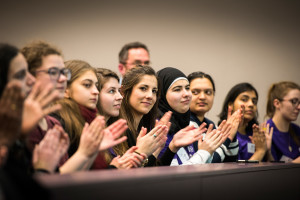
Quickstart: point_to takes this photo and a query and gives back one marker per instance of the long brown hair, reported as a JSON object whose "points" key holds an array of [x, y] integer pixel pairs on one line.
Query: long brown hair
{"points": [[131, 78], [70, 111], [104, 75], [278, 91]]}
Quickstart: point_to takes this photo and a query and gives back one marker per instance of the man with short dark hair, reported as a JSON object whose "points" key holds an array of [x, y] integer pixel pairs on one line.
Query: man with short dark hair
{"points": [[132, 54]]}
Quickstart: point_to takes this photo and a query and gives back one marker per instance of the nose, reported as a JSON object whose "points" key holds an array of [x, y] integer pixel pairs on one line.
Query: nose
{"points": [[149, 94], [187, 93], [30, 79], [250, 103], [95, 90], [118, 96], [201, 95], [62, 78]]}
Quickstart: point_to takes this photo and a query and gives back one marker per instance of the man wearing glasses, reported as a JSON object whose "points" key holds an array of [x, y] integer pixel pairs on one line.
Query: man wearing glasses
{"points": [[131, 55]]}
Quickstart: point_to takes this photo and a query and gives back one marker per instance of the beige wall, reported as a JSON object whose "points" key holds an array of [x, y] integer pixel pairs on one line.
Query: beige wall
{"points": [[234, 41]]}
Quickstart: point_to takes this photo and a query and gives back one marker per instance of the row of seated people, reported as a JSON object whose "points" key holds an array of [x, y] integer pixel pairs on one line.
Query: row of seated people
{"points": [[63, 117]]}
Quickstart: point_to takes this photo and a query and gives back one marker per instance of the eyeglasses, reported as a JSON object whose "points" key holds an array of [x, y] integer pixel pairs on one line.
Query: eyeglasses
{"points": [[295, 102], [138, 62], [55, 73]]}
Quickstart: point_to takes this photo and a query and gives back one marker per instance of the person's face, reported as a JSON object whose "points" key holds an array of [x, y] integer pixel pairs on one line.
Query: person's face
{"points": [[110, 98], [179, 96], [143, 95], [136, 56], [42, 75], [202, 96], [249, 100], [18, 70], [84, 90], [289, 106]]}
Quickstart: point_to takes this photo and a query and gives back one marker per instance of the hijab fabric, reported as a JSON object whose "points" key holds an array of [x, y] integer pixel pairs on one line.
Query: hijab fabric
{"points": [[168, 76]]}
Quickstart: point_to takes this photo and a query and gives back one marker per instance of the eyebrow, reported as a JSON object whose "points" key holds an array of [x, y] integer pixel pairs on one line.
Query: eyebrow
{"points": [[90, 80], [180, 86], [249, 96], [143, 84]]}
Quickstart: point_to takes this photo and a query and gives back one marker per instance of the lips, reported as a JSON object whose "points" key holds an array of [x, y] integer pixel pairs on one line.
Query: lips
{"points": [[147, 103], [202, 104], [249, 112], [186, 101], [60, 88], [117, 106], [93, 100]]}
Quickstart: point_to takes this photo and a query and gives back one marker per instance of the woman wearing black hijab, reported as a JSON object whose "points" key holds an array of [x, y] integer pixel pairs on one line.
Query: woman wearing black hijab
{"points": [[176, 97]]}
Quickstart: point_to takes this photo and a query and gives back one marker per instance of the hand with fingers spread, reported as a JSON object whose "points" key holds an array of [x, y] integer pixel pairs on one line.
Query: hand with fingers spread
{"points": [[91, 137], [165, 120], [214, 138], [112, 135], [258, 138], [186, 136], [49, 151], [268, 134], [37, 105], [11, 104], [235, 120], [130, 159], [149, 143]]}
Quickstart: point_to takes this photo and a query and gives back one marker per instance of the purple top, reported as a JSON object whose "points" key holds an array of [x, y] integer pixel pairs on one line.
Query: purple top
{"points": [[243, 146], [281, 142]]}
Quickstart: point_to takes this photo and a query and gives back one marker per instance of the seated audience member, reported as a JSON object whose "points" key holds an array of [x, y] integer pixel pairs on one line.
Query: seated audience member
{"points": [[203, 91], [254, 142], [131, 55], [46, 63], [140, 91], [176, 97], [109, 105], [283, 108], [15, 176], [79, 110], [14, 68]]}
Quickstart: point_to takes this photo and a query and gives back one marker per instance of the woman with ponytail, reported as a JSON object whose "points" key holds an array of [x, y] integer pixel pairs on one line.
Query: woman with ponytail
{"points": [[283, 108]]}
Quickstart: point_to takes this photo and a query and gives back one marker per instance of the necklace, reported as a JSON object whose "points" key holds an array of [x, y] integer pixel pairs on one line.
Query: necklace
{"points": [[290, 147]]}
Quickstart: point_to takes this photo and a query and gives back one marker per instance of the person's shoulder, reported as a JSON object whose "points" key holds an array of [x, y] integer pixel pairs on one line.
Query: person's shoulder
{"points": [[296, 128], [208, 122], [55, 118]]}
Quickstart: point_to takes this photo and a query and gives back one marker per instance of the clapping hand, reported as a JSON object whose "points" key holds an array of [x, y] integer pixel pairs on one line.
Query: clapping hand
{"points": [[112, 135], [37, 105], [155, 139], [186, 136], [47, 154], [11, 108]]}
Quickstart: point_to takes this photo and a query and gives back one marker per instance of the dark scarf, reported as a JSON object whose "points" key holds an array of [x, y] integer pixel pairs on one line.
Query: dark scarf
{"points": [[88, 114], [179, 120]]}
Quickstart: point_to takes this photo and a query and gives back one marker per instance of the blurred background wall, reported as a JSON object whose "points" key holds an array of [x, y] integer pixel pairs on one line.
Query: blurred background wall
{"points": [[234, 41]]}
